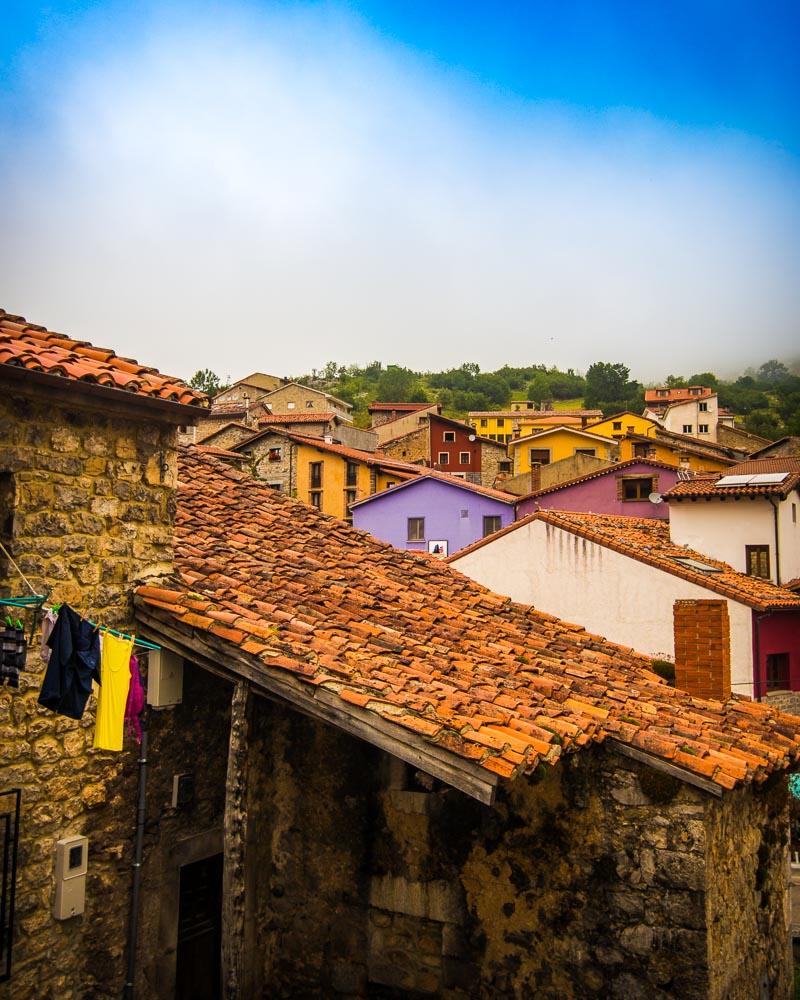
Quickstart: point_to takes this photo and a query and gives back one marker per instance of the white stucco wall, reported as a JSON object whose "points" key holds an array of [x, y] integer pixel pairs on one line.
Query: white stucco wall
{"points": [[722, 529], [608, 593], [689, 413]]}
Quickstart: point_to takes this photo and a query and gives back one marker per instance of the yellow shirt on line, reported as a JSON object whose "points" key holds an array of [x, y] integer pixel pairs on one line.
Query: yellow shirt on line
{"points": [[112, 695]]}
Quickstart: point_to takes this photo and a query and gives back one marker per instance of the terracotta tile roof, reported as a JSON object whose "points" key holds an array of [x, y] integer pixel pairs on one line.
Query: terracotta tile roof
{"points": [[537, 435], [793, 584], [405, 639], [297, 418], [677, 395], [389, 407], [752, 466], [536, 413], [210, 449], [706, 486], [219, 410], [446, 477], [791, 441], [688, 444], [369, 457], [648, 541], [607, 470], [37, 349]]}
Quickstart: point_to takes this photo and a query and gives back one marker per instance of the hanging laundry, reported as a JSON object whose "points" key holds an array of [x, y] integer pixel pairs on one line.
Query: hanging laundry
{"points": [[115, 679], [48, 623], [74, 664], [135, 702], [13, 648]]}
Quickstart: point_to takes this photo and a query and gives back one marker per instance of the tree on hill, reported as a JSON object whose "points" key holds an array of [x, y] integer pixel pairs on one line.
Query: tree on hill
{"points": [[608, 388], [398, 385], [207, 381]]}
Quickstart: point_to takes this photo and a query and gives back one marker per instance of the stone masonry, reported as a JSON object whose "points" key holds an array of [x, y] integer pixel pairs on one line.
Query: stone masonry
{"points": [[92, 515]]}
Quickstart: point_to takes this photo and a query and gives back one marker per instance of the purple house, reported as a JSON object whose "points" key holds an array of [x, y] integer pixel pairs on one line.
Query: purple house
{"points": [[434, 513], [624, 488]]}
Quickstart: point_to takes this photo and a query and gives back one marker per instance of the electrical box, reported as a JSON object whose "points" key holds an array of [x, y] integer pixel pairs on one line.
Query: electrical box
{"points": [[72, 862], [182, 790], [164, 678]]}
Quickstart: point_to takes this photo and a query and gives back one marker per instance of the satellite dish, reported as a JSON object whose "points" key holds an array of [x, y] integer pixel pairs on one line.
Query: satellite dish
{"points": [[655, 498], [472, 437]]}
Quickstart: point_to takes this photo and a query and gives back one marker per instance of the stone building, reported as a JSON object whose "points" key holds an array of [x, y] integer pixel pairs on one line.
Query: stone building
{"points": [[88, 465], [431, 790]]}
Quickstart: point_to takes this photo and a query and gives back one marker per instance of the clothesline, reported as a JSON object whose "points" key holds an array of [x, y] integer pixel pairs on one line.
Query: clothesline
{"points": [[39, 600]]}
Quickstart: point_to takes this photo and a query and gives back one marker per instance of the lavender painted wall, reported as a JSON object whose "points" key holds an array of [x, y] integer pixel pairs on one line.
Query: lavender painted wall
{"points": [[599, 495], [386, 514]]}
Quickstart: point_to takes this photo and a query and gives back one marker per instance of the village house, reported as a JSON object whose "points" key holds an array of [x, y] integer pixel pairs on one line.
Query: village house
{"points": [[558, 443], [408, 753], [382, 413], [503, 425], [778, 449], [434, 513], [680, 450], [693, 410], [541, 477], [225, 436], [626, 577], [292, 397], [631, 488], [619, 424], [88, 469], [448, 445], [748, 517], [330, 477], [360, 772], [329, 426], [404, 423], [251, 388]]}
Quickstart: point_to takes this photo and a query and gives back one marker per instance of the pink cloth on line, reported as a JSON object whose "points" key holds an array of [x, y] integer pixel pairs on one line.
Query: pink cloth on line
{"points": [[135, 702]]}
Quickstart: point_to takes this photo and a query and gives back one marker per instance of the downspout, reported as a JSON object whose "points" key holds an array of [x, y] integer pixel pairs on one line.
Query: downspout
{"points": [[775, 506], [133, 923], [757, 681]]}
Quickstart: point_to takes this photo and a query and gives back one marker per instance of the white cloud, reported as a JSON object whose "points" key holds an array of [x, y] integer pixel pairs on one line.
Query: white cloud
{"points": [[237, 190]]}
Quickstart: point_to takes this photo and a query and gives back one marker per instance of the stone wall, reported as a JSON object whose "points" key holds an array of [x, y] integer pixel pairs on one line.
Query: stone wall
{"points": [[413, 447], [273, 471], [491, 457], [281, 400], [600, 877], [94, 506]]}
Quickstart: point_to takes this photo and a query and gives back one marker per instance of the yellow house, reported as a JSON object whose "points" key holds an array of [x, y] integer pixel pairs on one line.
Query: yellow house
{"points": [[331, 477], [620, 424], [552, 445], [504, 425], [682, 455]]}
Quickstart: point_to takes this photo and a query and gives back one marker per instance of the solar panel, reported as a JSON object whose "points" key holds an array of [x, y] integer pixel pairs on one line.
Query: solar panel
{"points": [[734, 481], [767, 478]]}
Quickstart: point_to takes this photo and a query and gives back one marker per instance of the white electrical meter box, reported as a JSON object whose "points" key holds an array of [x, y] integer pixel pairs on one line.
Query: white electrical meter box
{"points": [[72, 857], [164, 678]]}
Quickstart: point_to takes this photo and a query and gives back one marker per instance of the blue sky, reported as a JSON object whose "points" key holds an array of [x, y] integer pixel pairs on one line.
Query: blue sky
{"points": [[415, 182]]}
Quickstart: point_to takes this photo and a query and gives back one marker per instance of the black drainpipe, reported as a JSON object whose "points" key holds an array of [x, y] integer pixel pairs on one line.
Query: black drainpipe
{"points": [[777, 542], [133, 923]]}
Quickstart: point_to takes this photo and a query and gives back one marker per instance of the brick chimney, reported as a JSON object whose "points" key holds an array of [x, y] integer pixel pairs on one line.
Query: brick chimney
{"points": [[536, 477], [702, 648]]}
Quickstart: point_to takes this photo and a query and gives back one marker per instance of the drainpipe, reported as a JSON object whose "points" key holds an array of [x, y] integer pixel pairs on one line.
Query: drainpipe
{"points": [[774, 506], [133, 923]]}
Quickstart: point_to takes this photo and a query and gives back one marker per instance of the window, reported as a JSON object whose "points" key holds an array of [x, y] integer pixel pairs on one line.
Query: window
{"points": [[617, 425], [702, 428], [539, 456], [492, 437], [794, 513], [756, 559], [529, 406], [463, 458], [662, 392], [274, 455], [491, 523], [309, 404], [695, 392], [278, 487], [777, 671], [315, 475], [349, 498], [636, 487], [388, 485], [290, 406], [702, 407], [687, 428], [444, 458], [449, 436], [315, 499], [484, 422], [352, 474], [501, 422], [585, 451], [504, 466], [416, 529], [464, 513]]}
